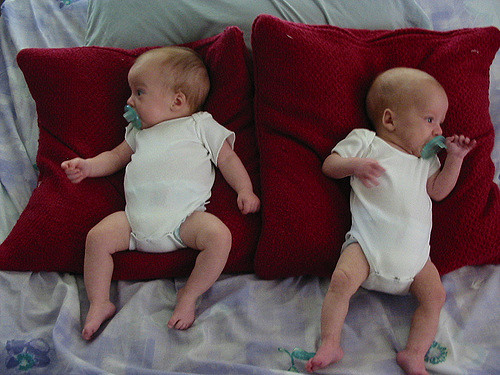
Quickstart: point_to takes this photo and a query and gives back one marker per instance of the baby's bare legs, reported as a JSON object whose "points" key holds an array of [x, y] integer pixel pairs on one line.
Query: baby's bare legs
{"points": [[430, 293], [351, 270], [110, 235], [208, 234]]}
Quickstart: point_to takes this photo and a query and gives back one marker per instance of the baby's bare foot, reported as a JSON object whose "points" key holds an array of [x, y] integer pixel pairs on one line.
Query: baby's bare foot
{"points": [[98, 314], [184, 312], [325, 356], [411, 363]]}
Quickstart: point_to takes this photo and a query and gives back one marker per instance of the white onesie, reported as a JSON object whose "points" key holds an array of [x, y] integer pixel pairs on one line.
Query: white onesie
{"points": [[392, 221], [170, 176]]}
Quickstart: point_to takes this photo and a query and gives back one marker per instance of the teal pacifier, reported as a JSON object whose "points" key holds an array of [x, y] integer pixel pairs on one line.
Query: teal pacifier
{"points": [[132, 117], [432, 147], [297, 353]]}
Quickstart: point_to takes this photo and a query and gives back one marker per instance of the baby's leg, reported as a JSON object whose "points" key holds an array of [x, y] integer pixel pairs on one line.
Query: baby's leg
{"points": [[208, 234], [351, 270], [430, 293], [110, 235]]}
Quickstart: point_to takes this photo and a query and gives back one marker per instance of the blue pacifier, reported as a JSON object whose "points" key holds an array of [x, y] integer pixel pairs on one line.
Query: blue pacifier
{"points": [[132, 117], [432, 147]]}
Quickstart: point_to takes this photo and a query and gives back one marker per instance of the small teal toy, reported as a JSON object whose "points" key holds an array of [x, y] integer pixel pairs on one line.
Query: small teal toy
{"points": [[132, 117], [432, 147], [297, 353]]}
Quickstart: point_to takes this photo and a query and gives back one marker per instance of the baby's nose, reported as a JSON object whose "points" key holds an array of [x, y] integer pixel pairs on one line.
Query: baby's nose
{"points": [[129, 101], [438, 130]]}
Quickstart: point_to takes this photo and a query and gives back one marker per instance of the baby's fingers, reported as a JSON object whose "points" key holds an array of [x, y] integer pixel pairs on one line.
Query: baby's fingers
{"points": [[369, 183], [248, 205], [65, 164], [471, 143], [462, 141], [378, 170], [370, 180], [70, 164], [75, 176], [458, 139]]}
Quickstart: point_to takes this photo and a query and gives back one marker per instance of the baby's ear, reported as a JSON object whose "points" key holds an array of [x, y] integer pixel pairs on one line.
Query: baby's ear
{"points": [[179, 102], [388, 120]]}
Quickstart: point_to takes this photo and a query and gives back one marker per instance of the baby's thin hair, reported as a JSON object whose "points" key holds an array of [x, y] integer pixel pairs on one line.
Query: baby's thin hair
{"points": [[184, 71], [393, 87]]}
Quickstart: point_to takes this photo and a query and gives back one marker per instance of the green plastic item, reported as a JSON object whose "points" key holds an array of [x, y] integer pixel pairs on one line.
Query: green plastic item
{"points": [[132, 117], [297, 353], [432, 147]]}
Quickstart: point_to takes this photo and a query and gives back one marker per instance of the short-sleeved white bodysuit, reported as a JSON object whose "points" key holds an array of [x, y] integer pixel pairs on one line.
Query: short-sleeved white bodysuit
{"points": [[392, 221], [170, 176]]}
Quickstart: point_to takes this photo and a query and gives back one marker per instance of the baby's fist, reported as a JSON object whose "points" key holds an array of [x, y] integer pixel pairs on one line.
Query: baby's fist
{"points": [[76, 169], [248, 203]]}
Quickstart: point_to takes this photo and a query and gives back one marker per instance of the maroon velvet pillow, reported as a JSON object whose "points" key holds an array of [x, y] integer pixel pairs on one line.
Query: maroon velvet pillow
{"points": [[310, 85], [80, 94]]}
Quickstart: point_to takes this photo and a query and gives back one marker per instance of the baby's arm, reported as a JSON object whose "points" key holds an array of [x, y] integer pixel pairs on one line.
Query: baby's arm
{"points": [[237, 177], [104, 164], [441, 183], [367, 170]]}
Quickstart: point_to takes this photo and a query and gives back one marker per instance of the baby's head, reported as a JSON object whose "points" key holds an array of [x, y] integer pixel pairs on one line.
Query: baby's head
{"points": [[166, 83], [406, 107]]}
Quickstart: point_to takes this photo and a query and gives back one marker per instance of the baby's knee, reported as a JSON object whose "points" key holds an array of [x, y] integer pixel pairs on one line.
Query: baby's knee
{"points": [[341, 283], [94, 236], [99, 238], [213, 236], [220, 234]]}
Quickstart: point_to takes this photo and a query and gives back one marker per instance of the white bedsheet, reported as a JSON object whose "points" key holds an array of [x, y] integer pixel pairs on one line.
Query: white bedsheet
{"points": [[242, 321]]}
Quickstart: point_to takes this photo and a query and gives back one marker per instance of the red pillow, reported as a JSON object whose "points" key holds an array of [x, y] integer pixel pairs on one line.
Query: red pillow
{"points": [[310, 86], [80, 94]]}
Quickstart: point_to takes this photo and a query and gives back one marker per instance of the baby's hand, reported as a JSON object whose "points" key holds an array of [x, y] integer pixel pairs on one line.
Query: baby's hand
{"points": [[248, 202], [368, 171], [76, 169], [459, 145]]}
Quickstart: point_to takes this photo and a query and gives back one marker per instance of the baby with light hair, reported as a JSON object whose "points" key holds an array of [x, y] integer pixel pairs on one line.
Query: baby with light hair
{"points": [[170, 151], [387, 248]]}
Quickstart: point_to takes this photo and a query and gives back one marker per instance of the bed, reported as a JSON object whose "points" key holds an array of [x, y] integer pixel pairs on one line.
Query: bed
{"points": [[59, 96]]}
